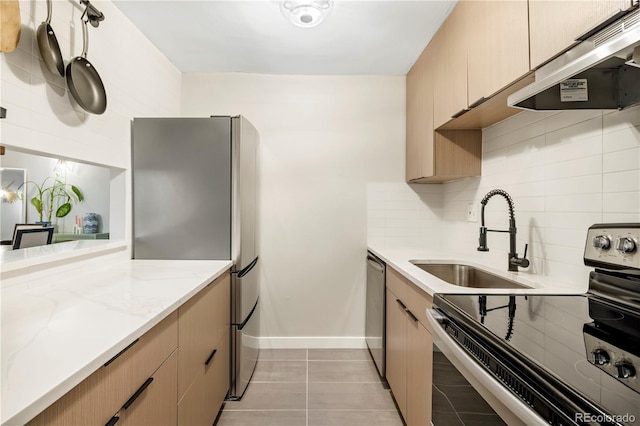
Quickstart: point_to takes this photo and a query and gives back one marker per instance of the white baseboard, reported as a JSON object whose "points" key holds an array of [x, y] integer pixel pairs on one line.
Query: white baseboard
{"points": [[312, 342]]}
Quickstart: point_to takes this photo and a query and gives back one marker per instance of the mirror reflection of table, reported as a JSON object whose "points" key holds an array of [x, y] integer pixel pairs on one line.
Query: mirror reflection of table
{"points": [[60, 238]]}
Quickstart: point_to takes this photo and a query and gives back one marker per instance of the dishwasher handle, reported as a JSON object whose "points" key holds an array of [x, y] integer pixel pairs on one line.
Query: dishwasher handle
{"points": [[375, 264]]}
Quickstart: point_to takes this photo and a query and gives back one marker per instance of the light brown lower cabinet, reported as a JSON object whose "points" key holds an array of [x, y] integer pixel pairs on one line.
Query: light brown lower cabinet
{"points": [[139, 386], [409, 348]]}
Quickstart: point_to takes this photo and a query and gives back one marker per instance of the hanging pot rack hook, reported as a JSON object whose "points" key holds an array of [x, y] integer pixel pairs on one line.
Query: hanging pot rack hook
{"points": [[93, 14]]}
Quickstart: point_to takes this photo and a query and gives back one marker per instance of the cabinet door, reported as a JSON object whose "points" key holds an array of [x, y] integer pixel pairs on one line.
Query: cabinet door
{"points": [[499, 51], [201, 322], [450, 83], [156, 404], [555, 24], [396, 351], [420, 368], [419, 152]]}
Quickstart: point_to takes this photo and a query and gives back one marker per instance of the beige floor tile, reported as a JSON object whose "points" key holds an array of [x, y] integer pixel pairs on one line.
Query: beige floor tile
{"points": [[339, 354], [283, 354], [262, 418], [280, 371], [271, 396], [349, 396], [342, 371], [353, 418]]}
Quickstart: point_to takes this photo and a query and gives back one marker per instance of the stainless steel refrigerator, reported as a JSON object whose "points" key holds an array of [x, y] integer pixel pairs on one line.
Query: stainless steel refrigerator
{"points": [[194, 197]]}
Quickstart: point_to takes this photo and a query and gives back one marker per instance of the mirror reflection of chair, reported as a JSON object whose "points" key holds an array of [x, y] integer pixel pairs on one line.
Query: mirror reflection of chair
{"points": [[31, 235]]}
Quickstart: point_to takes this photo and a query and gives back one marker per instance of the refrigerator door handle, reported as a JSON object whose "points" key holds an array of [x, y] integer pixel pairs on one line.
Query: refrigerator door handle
{"points": [[241, 273]]}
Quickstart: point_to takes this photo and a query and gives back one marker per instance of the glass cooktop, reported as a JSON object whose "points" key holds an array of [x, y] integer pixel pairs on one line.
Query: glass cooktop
{"points": [[589, 344]]}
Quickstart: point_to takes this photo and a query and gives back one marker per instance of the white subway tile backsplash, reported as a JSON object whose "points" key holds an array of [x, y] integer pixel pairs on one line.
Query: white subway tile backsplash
{"points": [[621, 202], [625, 138], [621, 160], [570, 168], [574, 185], [574, 119], [570, 149], [622, 181], [514, 123], [565, 171], [616, 120], [620, 217]]}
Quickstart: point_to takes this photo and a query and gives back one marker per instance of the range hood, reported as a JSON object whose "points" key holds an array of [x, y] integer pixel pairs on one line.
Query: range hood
{"points": [[602, 72]]}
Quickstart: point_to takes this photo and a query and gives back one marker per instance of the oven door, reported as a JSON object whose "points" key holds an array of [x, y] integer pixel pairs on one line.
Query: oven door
{"points": [[465, 393]]}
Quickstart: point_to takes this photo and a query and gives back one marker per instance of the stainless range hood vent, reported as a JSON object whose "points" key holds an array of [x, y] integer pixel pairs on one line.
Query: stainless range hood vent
{"points": [[602, 72]]}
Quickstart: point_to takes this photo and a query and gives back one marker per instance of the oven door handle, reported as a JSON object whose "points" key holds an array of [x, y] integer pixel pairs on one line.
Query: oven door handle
{"points": [[506, 405]]}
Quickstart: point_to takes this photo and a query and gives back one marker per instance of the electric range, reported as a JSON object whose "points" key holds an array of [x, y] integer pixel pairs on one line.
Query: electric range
{"points": [[573, 360]]}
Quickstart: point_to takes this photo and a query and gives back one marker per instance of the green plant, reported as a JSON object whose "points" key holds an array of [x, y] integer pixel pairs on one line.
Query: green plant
{"points": [[54, 193]]}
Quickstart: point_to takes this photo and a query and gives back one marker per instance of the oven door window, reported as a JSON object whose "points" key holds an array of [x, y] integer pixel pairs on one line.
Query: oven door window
{"points": [[455, 401]]}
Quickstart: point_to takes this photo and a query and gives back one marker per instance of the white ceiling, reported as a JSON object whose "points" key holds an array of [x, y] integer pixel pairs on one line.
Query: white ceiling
{"points": [[358, 37]]}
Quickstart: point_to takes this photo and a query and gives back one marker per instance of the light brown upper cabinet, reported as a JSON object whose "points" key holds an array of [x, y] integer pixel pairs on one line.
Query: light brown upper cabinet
{"points": [[555, 24], [420, 118], [449, 54], [434, 157], [498, 52]]}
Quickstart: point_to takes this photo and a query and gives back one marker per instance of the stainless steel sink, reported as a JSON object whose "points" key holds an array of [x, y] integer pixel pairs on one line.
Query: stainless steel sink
{"points": [[467, 276]]}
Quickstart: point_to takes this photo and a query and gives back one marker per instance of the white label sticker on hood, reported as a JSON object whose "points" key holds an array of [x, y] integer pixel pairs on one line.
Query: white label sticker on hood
{"points": [[574, 90]]}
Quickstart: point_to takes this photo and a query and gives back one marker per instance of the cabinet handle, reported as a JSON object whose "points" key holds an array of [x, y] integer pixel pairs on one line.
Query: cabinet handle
{"points": [[112, 421], [478, 102], [402, 305], [210, 357], [120, 353], [459, 113], [138, 393], [413, 317]]}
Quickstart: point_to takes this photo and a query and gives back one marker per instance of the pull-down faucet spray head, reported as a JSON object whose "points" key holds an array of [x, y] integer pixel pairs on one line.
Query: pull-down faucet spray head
{"points": [[483, 229], [514, 260]]}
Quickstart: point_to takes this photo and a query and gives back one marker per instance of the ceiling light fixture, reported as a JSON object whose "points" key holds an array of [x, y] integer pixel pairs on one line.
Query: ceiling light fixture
{"points": [[306, 13]]}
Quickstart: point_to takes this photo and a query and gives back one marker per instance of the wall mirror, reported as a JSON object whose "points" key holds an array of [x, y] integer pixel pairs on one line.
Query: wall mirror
{"points": [[12, 200]]}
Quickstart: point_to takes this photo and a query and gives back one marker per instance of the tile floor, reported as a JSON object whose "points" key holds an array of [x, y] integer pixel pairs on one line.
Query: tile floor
{"points": [[313, 387]]}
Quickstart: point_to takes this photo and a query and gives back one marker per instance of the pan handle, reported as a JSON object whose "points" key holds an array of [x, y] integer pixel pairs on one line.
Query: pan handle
{"points": [[85, 33], [48, 21]]}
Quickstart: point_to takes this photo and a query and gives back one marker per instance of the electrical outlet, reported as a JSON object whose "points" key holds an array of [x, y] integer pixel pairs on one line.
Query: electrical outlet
{"points": [[472, 212]]}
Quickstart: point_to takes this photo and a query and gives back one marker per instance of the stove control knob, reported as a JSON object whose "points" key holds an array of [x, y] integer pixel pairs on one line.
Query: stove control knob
{"points": [[626, 245], [600, 357], [602, 242], [625, 370]]}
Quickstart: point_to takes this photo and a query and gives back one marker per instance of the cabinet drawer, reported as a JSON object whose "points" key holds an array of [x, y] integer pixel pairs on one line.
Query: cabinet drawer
{"points": [[397, 284], [202, 322], [203, 399], [418, 301], [128, 371], [95, 400], [156, 404]]}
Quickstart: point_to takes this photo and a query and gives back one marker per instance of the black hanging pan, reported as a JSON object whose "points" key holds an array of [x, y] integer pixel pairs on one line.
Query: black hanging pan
{"points": [[83, 80], [48, 45]]}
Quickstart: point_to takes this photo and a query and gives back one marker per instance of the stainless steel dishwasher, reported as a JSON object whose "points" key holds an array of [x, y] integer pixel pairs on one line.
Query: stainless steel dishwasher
{"points": [[375, 314]]}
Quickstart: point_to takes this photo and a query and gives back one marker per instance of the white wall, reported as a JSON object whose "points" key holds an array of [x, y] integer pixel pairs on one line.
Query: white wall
{"points": [[41, 116], [322, 139]]}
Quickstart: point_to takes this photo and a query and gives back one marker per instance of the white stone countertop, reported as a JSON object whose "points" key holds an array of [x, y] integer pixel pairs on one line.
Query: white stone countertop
{"points": [[13, 260], [58, 330], [399, 259]]}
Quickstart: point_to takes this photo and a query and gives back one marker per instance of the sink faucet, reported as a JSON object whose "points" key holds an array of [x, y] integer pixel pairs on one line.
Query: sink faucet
{"points": [[514, 260]]}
